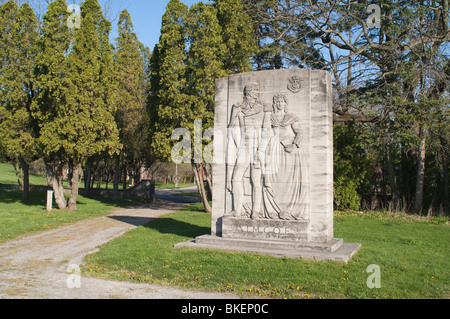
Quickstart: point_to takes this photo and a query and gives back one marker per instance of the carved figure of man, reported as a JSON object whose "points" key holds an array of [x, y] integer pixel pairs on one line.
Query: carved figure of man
{"points": [[248, 129]]}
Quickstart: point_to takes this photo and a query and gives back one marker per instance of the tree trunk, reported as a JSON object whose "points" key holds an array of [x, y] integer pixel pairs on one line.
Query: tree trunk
{"points": [[87, 178], [418, 198], [48, 180], [125, 179], [391, 175], [198, 169], [25, 167], [19, 175], [208, 173], [445, 177], [94, 172], [116, 177], [26, 180], [54, 171], [70, 174], [76, 180]]}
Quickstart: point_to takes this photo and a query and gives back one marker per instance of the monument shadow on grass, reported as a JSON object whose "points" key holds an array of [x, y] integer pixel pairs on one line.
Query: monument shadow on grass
{"points": [[177, 227]]}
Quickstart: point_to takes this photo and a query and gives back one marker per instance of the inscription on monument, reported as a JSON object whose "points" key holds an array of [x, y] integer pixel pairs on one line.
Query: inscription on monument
{"points": [[265, 229]]}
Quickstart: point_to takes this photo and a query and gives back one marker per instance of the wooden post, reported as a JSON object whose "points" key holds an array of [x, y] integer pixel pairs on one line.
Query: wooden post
{"points": [[49, 201]]}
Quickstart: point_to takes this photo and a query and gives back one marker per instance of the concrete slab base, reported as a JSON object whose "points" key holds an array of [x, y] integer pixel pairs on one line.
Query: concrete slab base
{"points": [[335, 250]]}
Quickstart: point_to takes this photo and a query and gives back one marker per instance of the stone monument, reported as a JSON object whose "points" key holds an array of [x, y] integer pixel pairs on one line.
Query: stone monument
{"points": [[273, 167]]}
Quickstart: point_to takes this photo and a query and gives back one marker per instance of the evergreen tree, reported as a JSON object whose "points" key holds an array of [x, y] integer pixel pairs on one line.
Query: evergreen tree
{"points": [[205, 61], [76, 119], [167, 102], [129, 94], [51, 72], [205, 64], [18, 29], [183, 81], [237, 34], [91, 122]]}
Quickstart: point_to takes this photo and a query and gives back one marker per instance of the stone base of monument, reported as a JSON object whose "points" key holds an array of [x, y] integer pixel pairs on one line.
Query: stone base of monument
{"points": [[336, 250], [275, 238]]}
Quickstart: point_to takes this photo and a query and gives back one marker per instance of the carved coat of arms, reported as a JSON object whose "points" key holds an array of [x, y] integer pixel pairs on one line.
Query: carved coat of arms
{"points": [[295, 84]]}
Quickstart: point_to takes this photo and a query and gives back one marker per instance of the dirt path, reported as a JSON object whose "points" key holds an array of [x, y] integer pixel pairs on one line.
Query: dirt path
{"points": [[36, 266]]}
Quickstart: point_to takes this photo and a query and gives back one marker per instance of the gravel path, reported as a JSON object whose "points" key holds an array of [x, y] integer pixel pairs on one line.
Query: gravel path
{"points": [[37, 266]]}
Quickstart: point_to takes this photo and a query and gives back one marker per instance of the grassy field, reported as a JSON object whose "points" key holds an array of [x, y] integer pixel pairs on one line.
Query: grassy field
{"points": [[412, 253], [8, 177], [19, 217]]}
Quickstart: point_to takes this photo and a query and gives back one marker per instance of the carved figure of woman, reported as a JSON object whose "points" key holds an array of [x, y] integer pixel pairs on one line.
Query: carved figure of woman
{"points": [[283, 193]]}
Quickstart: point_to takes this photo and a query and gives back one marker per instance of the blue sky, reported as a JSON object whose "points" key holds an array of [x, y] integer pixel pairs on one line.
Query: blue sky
{"points": [[146, 16]]}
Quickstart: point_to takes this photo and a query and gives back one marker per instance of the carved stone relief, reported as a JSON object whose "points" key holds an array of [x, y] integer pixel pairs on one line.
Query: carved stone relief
{"points": [[265, 158], [273, 166]]}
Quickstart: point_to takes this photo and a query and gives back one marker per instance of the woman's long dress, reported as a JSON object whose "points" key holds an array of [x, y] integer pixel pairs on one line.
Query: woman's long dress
{"points": [[283, 191]]}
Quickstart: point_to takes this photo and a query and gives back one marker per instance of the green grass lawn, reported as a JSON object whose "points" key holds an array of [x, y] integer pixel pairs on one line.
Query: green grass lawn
{"points": [[19, 216], [411, 252], [8, 177]]}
